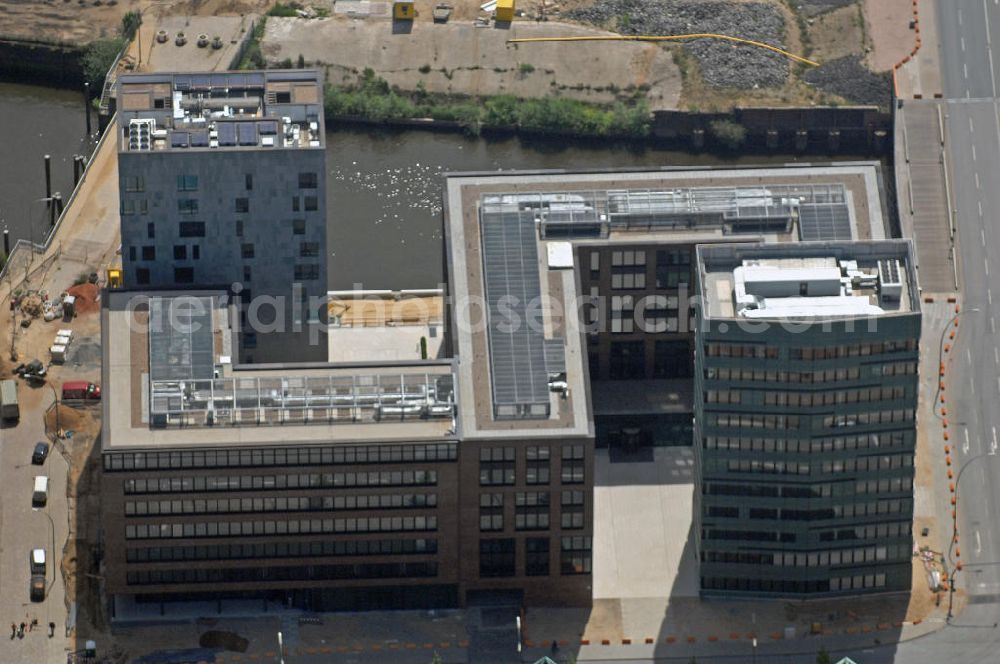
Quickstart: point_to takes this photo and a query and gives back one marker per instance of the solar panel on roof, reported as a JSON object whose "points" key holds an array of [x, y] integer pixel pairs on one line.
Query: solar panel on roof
{"points": [[247, 133], [179, 139], [227, 133], [517, 347], [267, 127], [199, 139]]}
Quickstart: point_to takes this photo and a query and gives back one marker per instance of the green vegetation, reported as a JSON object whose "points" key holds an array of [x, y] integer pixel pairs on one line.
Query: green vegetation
{"points": [[372, 98], [284, 10], [253, 58], [728, 133], [823, 657], [100, 54], [526, 68]]}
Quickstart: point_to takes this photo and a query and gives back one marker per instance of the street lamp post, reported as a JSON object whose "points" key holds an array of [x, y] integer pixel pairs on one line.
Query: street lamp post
{"points": [[281, 649]]}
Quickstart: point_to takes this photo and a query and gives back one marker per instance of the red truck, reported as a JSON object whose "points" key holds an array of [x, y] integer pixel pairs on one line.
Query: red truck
{"points": [[82, 390]]}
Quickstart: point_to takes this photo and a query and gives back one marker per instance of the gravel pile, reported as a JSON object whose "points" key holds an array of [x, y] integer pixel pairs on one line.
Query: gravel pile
{"points": [[723, 64], [850, 79], [812, 8]]}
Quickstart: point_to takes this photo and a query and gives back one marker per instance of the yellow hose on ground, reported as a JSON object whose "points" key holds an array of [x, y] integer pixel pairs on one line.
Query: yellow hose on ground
{"points": [[706, 35]]}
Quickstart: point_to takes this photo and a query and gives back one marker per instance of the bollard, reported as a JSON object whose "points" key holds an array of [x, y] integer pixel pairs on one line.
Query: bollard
{"points": [[48, 179]]}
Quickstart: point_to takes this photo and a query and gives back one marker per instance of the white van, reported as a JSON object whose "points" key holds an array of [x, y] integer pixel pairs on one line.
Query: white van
{"points": [[38, 561], [40, 496]]}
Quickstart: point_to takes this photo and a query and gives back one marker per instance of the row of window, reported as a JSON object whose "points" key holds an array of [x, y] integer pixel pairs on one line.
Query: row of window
{"points": [[731, 349], [133, 183], [310, 549], [780, 467], [384, 524], [867, 418], [758, 375], [266, 574], [282, 456], [823, 490], [886, 439], [800, 399], [869, 531], [280, 482], [856, 556], [293, 504], [853, 350], [298, 227], [531, 510], [497, 465], [750, 421], [498, 557], [790, 586]]}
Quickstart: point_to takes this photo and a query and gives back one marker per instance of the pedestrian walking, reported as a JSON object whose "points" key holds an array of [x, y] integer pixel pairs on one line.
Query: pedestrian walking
{"points": [[13, 630], [52, 629], [20, 631]]}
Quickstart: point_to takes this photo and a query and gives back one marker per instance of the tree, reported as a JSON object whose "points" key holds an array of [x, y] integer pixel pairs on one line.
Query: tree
{"points": [[729, 133], [823, 657], [437, 659], [97, 59]]}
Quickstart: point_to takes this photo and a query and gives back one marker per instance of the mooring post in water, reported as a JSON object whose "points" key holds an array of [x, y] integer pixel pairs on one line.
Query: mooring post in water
{"points": [[48, 180], [86, 104], [6, 243], [76, 169], [58, 207]]}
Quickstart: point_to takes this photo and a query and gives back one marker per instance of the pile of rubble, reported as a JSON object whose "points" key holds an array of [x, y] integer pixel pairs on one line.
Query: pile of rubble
{"points": [[723, 64], [850, 79]]}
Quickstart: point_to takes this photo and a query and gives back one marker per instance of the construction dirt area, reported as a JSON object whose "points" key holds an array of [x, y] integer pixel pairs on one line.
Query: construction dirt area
{"points": [[470, 55]]}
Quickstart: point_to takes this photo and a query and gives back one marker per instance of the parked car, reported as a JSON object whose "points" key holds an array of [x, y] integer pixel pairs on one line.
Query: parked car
{"points": [[40, 453], [40, 494], [37, 591], [32, 371], [81, 389], [37, 561]]}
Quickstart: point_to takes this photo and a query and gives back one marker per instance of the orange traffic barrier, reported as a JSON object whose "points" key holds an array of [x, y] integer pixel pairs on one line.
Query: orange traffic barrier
{"points": [[950, 474], [951, 487], [944, 411], [671, 639], [944, 423], [946, 435], [958, 565], [713, 639], [584, 642], [953, 500], [626, 642], [648, 640], [605, 642], [691, 639]]}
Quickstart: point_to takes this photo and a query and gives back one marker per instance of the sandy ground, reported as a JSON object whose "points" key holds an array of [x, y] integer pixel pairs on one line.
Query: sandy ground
{"points": [[79, 21], [838, 33], [459, 58], [888, 24]]}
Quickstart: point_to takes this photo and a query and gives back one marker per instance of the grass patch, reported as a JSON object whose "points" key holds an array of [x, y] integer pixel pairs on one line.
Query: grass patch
{"points": [[285, 10], [372, 98]]}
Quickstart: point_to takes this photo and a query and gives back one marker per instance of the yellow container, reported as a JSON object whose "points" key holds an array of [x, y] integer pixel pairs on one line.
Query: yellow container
{"points": [[402, 11], [505, 10]]}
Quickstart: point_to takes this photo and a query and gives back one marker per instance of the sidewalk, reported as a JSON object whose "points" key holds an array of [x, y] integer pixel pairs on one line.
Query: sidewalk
{"points": [[918, 76]]}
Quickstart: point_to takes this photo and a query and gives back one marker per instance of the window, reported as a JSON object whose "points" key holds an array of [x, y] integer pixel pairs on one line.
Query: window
{"points": [[536, 556], [184, 275], [196, 251], [572, 464], [531, 510], [150, 230], [537, 465], [246, 273], [575, 555], [622, 313], [187, 206], [180, 252], [672, 359], [628, 280], [299, 226], [309, 249], [131, 253], [572, 510], [149, 253], [627, 360], [673, 268], [496, 466], [496, 558], [490, 511], [296, 203], [133, 206], [628, 258], [133, 183], [192, 229], [308, 181], [187, 183], [242, 205], [142, 275], [311, 203], [249, 181], [306, 272], [247, 250]]}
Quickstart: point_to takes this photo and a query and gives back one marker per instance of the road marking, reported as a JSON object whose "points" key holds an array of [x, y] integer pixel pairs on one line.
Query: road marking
{"points": [[965, 69], [965, 447], [972, 128], [960, 17], [963, 44], [996, 355], [993, 445], [973, 153], [981, 214], [993, 325], [989, 292], [977, 180], [986, 266], [979, 544], [986, 15], [968, 356]]}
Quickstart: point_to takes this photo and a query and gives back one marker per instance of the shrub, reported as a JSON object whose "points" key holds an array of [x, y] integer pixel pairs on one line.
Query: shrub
{"points": [[97, 59], [728, 133], [281, 9]]}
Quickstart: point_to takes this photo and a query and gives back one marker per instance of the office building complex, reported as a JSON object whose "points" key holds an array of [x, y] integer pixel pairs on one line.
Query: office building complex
{"points": [[441, 452], [222, 182], [806, 390]]}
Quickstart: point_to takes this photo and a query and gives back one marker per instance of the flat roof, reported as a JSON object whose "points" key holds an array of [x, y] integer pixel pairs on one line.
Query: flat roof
{"points": [[229, 110], [385, 326], [807, 281], [169, 381], [507, 235]]}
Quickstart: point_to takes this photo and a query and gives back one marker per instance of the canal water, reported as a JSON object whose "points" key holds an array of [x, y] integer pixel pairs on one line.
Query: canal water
{"points": [[384, 185]]}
